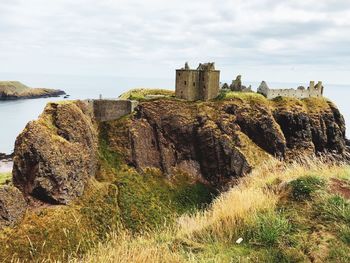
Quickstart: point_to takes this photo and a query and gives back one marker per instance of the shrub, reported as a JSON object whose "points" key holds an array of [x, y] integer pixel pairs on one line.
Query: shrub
{"points": [[268, 228], [304, 187]]}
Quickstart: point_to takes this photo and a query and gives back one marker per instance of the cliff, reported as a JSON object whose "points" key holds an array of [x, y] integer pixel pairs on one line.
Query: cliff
{"points": [[214, 142], [13, 90], [168, 157]]}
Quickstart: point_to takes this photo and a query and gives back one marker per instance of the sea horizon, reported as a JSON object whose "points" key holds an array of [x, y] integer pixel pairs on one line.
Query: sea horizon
{"points": [[16, 114]]}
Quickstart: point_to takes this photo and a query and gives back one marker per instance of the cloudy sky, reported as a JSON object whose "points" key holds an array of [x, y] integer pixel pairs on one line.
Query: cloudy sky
{"points": [[288, 41]]}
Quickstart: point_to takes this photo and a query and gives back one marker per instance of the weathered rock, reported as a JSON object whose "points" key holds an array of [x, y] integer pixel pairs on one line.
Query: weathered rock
{"points": [[215, 142], [12, 206], [55, 155], [314, 132], [208, 139], [166, 141]]}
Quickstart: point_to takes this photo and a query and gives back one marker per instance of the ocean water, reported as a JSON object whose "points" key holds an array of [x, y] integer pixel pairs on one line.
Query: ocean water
{"points": [[14, 115]]}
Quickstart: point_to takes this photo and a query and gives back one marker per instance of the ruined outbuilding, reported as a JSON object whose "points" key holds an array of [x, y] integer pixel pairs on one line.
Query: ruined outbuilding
{"points": [[237, 86], [111, 109], [202, 83], [299, 93]]}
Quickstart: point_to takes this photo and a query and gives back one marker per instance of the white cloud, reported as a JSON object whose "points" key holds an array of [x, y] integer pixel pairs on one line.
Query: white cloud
{"points": [[133, 37]]}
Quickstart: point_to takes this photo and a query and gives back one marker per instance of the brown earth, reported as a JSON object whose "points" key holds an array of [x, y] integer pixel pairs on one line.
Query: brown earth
{"points": [[341, 187]]}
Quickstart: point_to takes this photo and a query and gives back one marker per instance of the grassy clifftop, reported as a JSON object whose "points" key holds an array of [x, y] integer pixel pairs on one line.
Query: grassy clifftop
{"points": [[17, 90]]}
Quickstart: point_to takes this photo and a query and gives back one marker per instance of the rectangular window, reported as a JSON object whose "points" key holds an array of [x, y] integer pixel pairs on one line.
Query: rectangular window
{"points": [[194, 84], [185, 82]]}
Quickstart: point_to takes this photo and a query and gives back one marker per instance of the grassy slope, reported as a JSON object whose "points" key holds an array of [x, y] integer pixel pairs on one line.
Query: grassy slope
{"points": [[283, 213], [125, 202], [120, 198], [139, 94]]}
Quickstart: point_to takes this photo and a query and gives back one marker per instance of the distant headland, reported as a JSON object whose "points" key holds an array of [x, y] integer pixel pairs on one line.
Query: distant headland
{"points": [[14, 90]]}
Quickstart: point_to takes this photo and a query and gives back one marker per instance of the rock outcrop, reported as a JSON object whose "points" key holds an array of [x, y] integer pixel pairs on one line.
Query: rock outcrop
{"points": [[220, 141], [14, 90], [12, 206], [214, 142], [55, 155]]}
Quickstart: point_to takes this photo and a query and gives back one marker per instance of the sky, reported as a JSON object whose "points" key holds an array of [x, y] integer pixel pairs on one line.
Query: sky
{"points": [[273, 40]]}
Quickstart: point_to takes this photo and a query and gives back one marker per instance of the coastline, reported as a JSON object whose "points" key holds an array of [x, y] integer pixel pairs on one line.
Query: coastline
{"points": [[54, 93], [6, 163]]}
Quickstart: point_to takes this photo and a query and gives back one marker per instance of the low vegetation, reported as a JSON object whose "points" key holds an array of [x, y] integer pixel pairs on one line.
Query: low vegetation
{"points": [[280, 213], [141, 94], [121, 200]]}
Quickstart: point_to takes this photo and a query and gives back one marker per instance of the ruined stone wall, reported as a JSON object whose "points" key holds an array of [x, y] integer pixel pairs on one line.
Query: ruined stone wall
{"points": [[197, 85], [187, 84], [299, 93], [211, 85], [107, 110], [293, 93]]}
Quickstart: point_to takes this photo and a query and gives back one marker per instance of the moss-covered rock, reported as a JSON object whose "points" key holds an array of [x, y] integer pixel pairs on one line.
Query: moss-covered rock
{"points": [[57, 154], [12, 206]]}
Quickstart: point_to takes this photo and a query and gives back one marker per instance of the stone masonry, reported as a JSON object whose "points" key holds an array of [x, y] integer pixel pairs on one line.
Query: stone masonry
{"points": [[109, 109], [299, 93], [202, 83]]}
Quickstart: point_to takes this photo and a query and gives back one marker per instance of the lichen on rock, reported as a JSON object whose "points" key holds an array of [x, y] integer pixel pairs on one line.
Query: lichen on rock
{"points": [[56, 155], [12, 205]]}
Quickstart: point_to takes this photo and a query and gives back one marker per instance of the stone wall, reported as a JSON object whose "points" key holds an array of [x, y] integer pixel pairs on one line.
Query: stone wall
{"points": [[211, 85], [187, 84], [107, 110], [299, 93], [195, 85]]}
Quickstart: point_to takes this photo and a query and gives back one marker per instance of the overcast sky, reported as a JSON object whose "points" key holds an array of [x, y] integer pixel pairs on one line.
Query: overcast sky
{"points": [[274, 40]]}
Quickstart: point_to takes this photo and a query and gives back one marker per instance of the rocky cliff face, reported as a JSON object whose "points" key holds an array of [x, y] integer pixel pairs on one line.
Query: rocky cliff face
{"points": [[56, 155], [214, 142], [219, 141]]}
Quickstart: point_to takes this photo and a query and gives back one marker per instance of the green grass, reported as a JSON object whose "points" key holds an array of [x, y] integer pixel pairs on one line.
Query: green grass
{"points": [[248, 96], [149, 200], [268, 229], [303, 188], [141, 93], [4, 177]]}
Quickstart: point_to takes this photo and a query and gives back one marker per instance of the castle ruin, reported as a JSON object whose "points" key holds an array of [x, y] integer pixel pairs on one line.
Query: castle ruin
{"points": [[202, 83], [111, 109], [299, 93]]}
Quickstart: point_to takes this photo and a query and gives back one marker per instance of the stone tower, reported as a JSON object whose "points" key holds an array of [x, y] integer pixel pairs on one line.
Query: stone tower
{"points": [[202, 83]]}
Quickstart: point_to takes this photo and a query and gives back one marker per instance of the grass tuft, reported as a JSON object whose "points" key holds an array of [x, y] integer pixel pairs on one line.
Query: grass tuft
{"points": [[303, 188]]}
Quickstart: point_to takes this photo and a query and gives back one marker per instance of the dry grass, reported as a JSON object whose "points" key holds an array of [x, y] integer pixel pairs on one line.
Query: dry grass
{"points": [[123, 247], [222, 223]]}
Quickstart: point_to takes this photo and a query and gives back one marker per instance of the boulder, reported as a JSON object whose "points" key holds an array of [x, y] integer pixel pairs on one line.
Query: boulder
{"points": [[12, 206], [57, 154]]}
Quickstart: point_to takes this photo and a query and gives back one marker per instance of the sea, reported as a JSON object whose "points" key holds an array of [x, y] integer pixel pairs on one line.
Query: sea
{"points": [[14, 115]]}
